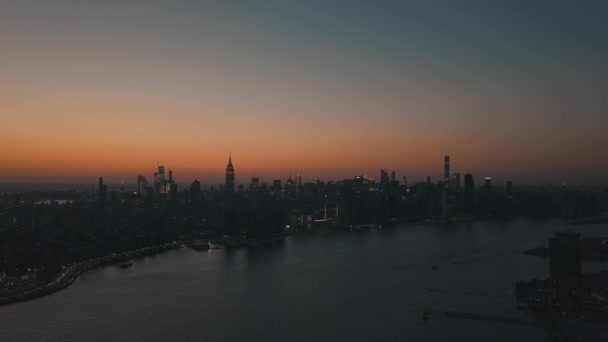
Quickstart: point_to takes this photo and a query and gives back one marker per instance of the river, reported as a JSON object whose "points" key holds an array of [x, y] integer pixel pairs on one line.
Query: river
{"points": [[347, 286]]}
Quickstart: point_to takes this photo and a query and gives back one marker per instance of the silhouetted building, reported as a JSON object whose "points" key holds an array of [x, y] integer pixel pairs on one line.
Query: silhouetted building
{"points": [[455, 183], [229, 176], [276, 185], [140, 182], [103, 190], [565, 271], [487, 185], [469, 193], [298, 183], [446, 170], [172, 192], [255, 184], [509, 189], [393, 177], [195, 191]]}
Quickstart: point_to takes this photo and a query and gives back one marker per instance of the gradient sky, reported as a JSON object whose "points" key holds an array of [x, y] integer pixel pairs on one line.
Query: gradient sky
{"points": [[510, 89]]}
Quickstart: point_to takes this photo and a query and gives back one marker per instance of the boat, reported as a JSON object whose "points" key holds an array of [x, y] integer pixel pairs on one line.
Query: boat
{"points": [[434, 267], [125, 264], [215, 246]]}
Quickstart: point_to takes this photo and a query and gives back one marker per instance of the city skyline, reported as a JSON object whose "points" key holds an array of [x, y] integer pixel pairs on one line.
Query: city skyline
{"points": [[516, 92]]}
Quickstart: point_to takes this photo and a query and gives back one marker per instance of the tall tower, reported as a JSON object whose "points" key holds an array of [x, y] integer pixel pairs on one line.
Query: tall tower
{"points": [[469, 191], [230, 175], [446, 169]]}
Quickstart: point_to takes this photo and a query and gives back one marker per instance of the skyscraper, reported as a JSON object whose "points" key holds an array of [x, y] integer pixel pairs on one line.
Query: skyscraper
{"points": [[195, 191], [102, 190], [384, 180], [456, 181], [446, 169], [509, 189], [565, 297], [230, 175], [487, 185], [140, 180], [469, 191], [255, 184]]}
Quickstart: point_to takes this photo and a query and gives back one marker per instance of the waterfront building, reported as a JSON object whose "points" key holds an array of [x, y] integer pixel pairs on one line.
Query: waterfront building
{"points": [[565, 293]]}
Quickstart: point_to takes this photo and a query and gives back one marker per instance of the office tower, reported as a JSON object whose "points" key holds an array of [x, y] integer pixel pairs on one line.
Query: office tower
{"points": [[469, 191], [195, 191], [161, 180], [393, 177], [229, 175], [446, 169], [298, 182], [170, 176], [276, 185], [156, 185], [102, 190], [383, 177], [487, 185], [565, 297], [455, 183], [289, 184], [255, 184], [144, 189], [140, 180], [509, 189], [428, 182], [172, 192]]}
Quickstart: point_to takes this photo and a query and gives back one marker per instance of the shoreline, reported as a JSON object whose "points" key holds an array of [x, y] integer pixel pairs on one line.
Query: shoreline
{"points": [[71, 273]]}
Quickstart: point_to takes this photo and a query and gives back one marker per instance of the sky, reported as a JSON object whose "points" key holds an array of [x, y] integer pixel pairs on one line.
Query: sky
{"points": [[515, 90]]}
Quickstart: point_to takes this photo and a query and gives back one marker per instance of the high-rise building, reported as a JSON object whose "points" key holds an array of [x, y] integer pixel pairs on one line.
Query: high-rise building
{"points": [[156, 185], [289, 184], [255, 184], [172, 191], [161, 179], [195, 191], [298, 183], [487, 185], [446, 169], [140, 180], [393, 177], [102, 190], [469, 192], [455, 183], [230, 175], [509, 189], [565, 297], [276, 185]]}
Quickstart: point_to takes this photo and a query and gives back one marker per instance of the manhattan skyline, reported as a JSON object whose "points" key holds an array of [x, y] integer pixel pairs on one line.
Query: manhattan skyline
{"points": [[515, 91]]}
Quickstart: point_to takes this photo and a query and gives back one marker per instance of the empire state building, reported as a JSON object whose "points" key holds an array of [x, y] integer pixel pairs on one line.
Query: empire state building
{"points": [[230, 175]]}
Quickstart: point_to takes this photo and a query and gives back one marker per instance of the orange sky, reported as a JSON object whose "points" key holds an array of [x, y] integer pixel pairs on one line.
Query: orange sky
{"points": [[363, 90]]}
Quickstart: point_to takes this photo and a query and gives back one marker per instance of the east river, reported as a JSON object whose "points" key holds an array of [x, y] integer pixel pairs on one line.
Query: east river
{"points": [[344, 286]]}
